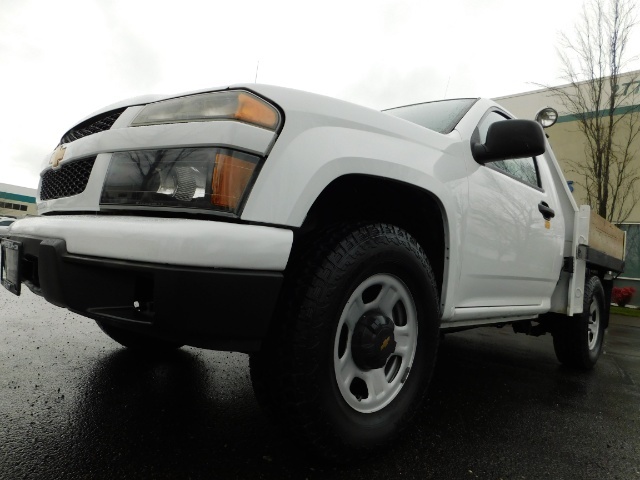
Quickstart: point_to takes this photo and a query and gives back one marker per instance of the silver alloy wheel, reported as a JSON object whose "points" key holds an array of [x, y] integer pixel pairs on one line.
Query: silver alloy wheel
{"points": [[594, 323], [370, 390]]}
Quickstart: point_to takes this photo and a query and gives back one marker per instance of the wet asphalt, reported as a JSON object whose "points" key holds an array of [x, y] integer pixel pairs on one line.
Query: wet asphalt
{"points": [[73, 404]]}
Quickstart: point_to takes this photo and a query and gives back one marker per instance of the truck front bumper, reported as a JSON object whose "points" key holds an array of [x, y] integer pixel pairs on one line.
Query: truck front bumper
{"points": [[218, 303]]}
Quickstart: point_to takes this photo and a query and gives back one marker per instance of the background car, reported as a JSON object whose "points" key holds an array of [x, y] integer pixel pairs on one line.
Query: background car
{"points": [[5, 222]]}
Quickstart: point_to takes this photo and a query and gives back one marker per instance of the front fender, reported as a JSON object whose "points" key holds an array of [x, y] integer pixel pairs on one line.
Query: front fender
{"points": [[300, 168]]}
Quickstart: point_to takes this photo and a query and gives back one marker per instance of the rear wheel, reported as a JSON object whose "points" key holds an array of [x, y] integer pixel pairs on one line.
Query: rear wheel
{"points": [[136, 341], [352, 360], [578, 340]]}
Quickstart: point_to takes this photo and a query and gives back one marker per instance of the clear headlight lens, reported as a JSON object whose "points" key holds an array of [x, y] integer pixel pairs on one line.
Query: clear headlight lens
{"points": [[227, 105], [194, 178]]}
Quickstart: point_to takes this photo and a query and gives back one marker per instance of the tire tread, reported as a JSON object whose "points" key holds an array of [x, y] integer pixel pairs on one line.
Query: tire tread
{"points": [[284, 378], [568, 337]]}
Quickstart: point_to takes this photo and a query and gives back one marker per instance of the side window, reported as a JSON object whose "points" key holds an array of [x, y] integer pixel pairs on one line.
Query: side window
{"points": [[523, 169]]}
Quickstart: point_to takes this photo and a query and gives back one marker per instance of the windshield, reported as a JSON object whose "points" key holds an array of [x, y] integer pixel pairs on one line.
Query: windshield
{"points": [[441, 116]]}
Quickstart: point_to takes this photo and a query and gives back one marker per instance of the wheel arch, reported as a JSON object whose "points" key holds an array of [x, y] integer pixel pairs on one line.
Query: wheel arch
{"points": [[358, 198]]}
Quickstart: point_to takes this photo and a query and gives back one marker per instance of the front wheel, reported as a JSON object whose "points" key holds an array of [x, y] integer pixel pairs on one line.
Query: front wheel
{"points": [[351, 362], [578, 340]]}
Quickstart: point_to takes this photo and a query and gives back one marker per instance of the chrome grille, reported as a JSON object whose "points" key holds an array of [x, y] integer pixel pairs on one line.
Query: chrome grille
{"points": [[70, 179], [94, 125]]}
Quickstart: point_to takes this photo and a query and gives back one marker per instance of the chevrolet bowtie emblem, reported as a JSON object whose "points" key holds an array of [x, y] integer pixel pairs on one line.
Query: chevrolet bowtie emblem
{"points": [[57, 156]]}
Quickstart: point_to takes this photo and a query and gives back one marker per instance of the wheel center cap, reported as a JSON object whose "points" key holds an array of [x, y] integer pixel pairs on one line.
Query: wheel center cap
{"points": [[373, 341]]}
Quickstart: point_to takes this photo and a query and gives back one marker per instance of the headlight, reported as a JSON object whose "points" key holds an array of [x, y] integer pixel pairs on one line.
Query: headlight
{"points": [[193, 178], [227, 105]]}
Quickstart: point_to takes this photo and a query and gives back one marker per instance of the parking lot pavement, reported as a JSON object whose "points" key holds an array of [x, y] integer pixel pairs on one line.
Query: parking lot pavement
{"points": [[73, 404]]}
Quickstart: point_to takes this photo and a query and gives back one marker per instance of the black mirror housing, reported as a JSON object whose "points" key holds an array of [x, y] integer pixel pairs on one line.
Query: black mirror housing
{"points": [[510, 139]]}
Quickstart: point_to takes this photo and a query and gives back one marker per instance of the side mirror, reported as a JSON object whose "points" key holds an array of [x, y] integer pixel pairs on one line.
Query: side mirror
{"points": [[510, 139]]}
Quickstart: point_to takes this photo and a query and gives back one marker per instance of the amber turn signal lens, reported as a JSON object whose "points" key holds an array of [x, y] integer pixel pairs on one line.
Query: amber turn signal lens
{"points": [[231, 175], [253, 110]]}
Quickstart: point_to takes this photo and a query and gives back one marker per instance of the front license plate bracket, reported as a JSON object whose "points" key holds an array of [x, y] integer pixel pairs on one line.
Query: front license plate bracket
{"points": [[10, 271]]}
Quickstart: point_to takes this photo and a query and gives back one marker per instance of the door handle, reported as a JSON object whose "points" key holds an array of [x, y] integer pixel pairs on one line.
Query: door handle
{"points": [[546, 211]]}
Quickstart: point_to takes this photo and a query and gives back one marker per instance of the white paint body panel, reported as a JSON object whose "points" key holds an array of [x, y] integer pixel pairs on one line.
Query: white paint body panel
{"points": [[193, 243], [511, 258], [324, 138]]}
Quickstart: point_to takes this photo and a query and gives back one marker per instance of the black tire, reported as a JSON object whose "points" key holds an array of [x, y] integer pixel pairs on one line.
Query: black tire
{"points": [[578, 340], [303, 373], [137, 341]]}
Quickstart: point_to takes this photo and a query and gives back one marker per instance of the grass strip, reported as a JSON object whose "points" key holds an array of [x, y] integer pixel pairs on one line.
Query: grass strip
{"points": [[627, 312]]}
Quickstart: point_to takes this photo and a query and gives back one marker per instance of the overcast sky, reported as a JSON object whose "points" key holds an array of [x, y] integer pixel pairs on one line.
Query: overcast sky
{"points": [[61, 60]]}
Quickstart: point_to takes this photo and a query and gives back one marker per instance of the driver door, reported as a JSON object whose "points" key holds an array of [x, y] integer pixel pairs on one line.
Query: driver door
{"points": [[512, 255]]}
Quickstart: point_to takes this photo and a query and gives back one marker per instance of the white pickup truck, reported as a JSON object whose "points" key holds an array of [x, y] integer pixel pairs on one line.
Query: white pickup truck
{"points": [[333, 243]]}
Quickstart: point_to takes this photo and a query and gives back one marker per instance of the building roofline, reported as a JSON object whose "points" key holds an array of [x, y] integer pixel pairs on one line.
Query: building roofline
{"points": [[635, 73]]}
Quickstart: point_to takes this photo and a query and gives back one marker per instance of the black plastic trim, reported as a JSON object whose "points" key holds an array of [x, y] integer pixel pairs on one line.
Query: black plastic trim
{"points": [[598, 259], [567, 265], [216, 308]]}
